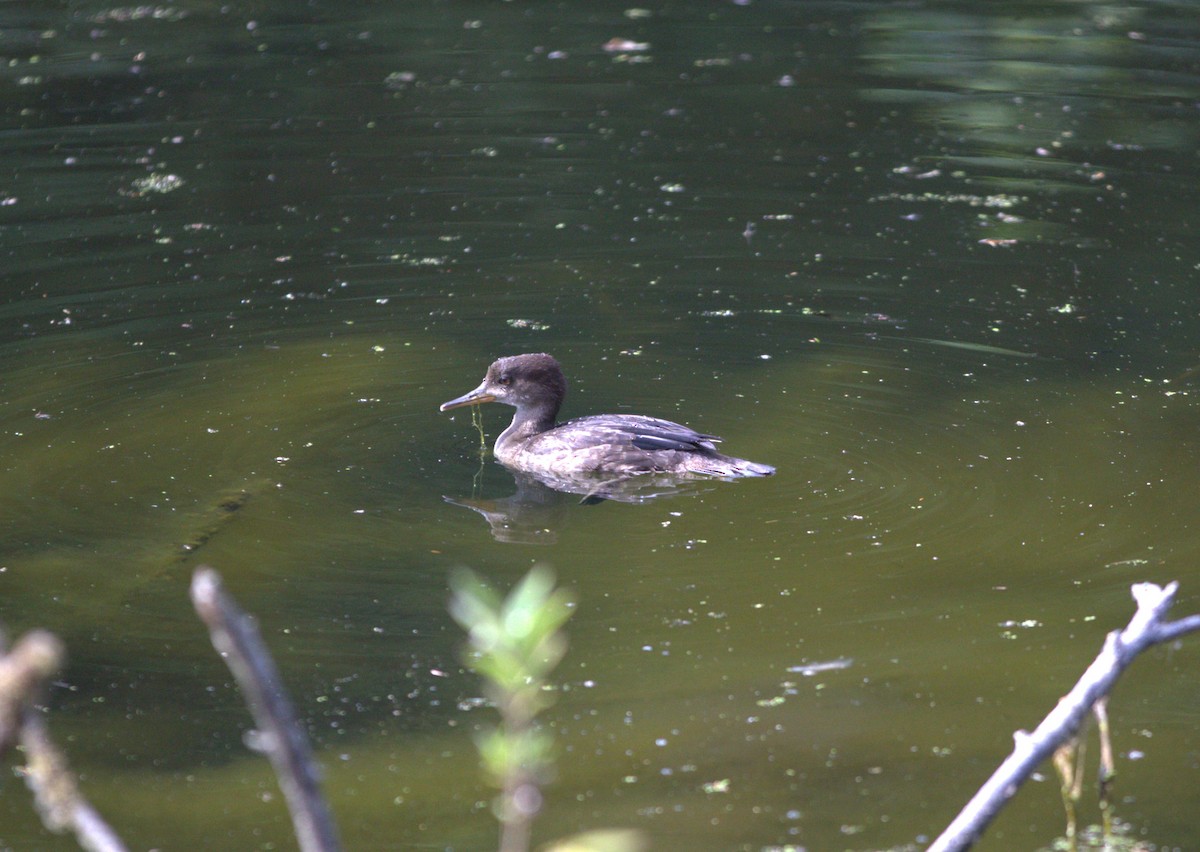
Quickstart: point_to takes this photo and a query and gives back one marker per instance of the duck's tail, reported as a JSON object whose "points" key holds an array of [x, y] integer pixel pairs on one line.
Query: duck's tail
{"points": [[727, 467]]}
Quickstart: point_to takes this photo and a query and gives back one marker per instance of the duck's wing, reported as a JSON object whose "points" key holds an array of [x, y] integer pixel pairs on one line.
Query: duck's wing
{"points": [[643, 433]]}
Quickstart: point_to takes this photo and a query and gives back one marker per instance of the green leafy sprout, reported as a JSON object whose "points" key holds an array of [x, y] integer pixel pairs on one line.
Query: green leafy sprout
{"points": [[514, 644]]}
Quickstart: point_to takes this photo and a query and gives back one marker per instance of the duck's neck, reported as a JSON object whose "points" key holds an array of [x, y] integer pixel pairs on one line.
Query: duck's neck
{"points": [[526, 423]]}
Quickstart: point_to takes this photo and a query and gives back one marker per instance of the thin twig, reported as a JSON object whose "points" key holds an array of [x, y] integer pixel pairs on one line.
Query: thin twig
{"points": [[1145, 629], [23, 676], [280, 735], [23, 670], [59, 802]]}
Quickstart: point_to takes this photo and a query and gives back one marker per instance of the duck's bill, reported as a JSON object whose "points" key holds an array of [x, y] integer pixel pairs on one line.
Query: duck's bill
{"points": [[476, 397]]}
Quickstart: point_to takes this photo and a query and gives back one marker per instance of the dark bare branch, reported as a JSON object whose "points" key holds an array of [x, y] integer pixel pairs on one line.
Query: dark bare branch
{"points": [[279, 734]]}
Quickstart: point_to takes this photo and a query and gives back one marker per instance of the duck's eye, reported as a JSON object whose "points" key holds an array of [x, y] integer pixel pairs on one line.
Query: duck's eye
{"points": [[505, 380]]}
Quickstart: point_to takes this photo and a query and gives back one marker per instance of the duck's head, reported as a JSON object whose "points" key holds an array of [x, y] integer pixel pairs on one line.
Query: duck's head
{"points": [[532, 383]]}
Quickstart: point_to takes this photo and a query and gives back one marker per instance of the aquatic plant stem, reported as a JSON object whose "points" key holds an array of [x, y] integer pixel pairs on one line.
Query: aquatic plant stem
{"points": [[477, 422], [520, 795], [516, 826], [1121, 647], [1108, 769], [1068, 761], [279, 733]]}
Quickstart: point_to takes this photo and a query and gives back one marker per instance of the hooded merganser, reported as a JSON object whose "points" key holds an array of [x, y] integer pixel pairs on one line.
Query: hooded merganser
{"points": [[621, 444]]}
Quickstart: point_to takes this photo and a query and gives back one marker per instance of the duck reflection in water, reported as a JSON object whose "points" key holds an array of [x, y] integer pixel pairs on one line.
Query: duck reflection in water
{"points": [[623, 457], [533, 514]]}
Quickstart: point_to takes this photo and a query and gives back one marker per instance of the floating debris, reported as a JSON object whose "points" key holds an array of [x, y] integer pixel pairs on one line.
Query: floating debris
{"points": [[810, 669], [974, 347], [124, 14], [410, 260], [624, 45], [1001, 201], [399, 79], [527, 324], [157, 183]]}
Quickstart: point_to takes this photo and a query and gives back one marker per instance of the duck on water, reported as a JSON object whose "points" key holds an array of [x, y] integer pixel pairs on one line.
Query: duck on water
{"points": [[614, 444]]}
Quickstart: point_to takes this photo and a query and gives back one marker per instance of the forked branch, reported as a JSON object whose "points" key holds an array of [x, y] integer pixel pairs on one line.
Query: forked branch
{"points": [[1145, 629]]}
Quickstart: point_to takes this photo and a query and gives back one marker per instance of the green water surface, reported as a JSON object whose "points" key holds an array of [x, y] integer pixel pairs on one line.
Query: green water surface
{"points": [[937, 263]]}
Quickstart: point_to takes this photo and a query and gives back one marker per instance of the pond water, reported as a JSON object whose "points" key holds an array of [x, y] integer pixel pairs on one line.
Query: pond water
{"points": [[936, 263]]}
